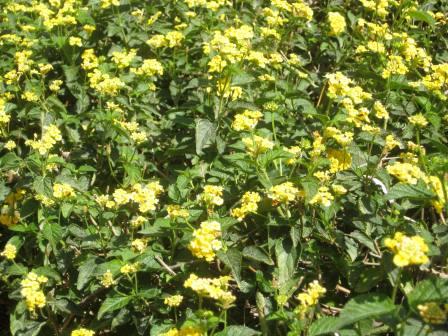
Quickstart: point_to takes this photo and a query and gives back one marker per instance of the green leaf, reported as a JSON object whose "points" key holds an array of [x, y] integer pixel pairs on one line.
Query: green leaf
{"points": [[366, 306], [205, 133], [52, 232], [257, 254], [324, 325], [232, 258], [415, 192], [422, 16], [112, 304], [435, 289], [86, 270], [234, 330], [286, 260]]}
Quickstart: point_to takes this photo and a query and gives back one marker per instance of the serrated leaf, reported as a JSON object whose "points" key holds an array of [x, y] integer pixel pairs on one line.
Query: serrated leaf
{"points": [[232, 258], [205, 133], [414, 192], [422, 16], [435, 289], [255, 253], [52, 232], [86, 270], [238, 331], [324, 326], [112, 304]]}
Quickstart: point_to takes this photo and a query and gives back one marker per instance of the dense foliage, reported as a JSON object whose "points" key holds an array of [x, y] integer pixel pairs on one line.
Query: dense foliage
{"points": [[193, 167]]}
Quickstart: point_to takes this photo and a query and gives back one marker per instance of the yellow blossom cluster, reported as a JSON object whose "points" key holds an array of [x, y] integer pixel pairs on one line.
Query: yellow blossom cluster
{"points": [[205, 240], [173, 300], [247, 120], [408, 250], [171, 39], [51, 135], [133, 128], [339, 160], [107, 279], [256, 145], [436, 81], [145, 195], [63, 191], [82, 332], [9, 252], [418, 120], [176, 211], [283, 193], [337, 23], [249, 204], [405, 172], [211, 196], [150, 67], [342, 138], [310, 297], [104, 83], [32, 292], [185, 330], [130, 268], [431, 312], [123, 59], [322, 197], [212, 5], [139, 244], [216, 288]]}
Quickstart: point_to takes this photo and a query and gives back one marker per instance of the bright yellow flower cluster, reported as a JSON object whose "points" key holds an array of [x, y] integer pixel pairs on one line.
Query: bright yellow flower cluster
{"points": [[395, 66], [32, 292], [310, 297], [205, 242], [145, 195], [186, 330], [104, 83], [216, 288], [377, 6], [408, 250], [256, 145], [108, 3], [133, 128], [322, 197], [249, 204], [247, 120], [173, 300], [339, 160], [150, 67], [9, 252], [124, 58], [63, 191], [51, 135], [436, 81], [89, 60], [107, 279], [432, 313], [82, 332], [171, 39], [342, 138], [211, 196], [405, 172], [130, 268], [283, 193], [418, 120], [175, 211], [337, 23], [213, 5]]}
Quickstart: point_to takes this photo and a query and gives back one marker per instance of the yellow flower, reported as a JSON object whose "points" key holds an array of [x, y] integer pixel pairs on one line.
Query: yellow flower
{"points": [[9, 251], [395, 66], [150, 67], [108, 3], [89, 60], [107, 279], [256, 145], [339, 160], [75, 41], [338, 189], [30, 96], [55, 85], [123, 59], [337, 23], [82, 332], [418, 120], [283, 193], [63, 190], [205, 242], [175, 211], [173, 300], [391, 143], [248, 205], [323, 197], [432, 313], [247, 120], [408, 250], [310, 297], [31, 291], [380, 110], [10, 145], [129, 268], [139, 244], [405, 172], [216, 288], [211, 196]]}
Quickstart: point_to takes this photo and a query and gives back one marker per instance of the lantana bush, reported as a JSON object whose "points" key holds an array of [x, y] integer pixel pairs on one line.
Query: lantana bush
{"points": [[224, 167]]}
